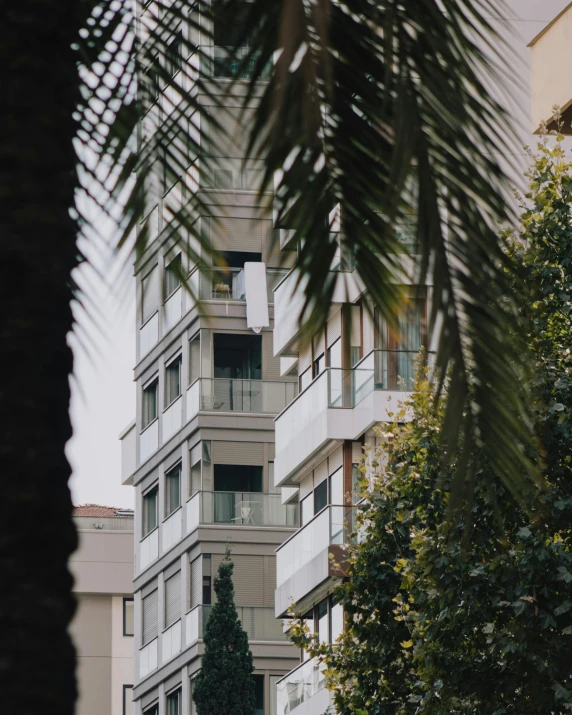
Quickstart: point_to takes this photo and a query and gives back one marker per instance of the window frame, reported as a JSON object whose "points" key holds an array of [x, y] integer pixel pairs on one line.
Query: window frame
{"points": [[124, 708], [176, 361], [155, 491], [167, 271], [125, 600], [154, 383], [178, 467], [168, 696]]}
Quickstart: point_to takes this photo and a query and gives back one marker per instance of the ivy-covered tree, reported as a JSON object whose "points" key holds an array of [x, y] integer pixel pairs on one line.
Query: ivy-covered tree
{"points": [[476, 617], [225, 683]]}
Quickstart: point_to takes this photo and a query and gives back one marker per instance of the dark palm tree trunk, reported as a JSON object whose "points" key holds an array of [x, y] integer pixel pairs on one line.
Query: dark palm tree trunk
{"points": [[37, 255]]}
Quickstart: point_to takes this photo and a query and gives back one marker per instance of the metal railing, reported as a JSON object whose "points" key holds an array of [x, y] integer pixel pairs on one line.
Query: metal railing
{"points": [[300, 685], [240, 509], [238, 395], [333, 525]]}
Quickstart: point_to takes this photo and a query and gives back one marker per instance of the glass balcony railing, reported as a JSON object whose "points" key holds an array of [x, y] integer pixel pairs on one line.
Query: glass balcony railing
{"points": [[230, 395], [258, 622], [228, 284], [240, 509], [300, 685], [395, 369], [333, 525]]}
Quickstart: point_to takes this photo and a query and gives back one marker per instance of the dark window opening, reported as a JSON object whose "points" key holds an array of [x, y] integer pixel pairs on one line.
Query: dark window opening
{"points": [[321, 496], [228, 280], [238, 356], [258, 694], [237, 478]]}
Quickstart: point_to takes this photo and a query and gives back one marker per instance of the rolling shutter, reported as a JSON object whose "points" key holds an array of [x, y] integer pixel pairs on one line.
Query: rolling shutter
{"points": [[172, 599], [270, 580], [196, 454], [320, 473], [335, 460], [243, 453], [306, 485], [150, 616], [270, 364], [247, 577], [196, 582], [230, 138], [305, 360], [238, 234], [150, 294], [272, 247], [319, 345], [334, 328]]}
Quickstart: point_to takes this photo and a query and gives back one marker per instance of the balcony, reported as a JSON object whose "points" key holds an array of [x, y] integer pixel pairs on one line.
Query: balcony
{"points": [[148, 658], [228, 284], [252, 509], [339, 405], [148, 335], [246, 396], [149, 441], [149, 549], [258, 622], [289, 301], [172, 529], [303, 684], [303, 561]]}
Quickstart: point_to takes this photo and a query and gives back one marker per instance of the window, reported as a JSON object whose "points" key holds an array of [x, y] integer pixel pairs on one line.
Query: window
{"points": [[194, 359], [150, 403], [207, 567], [305, 379], [150, 511], [323, 621], [306, 509], [128, 623], [335, 354], [336, 620], [173, 273], [150, 617], [309, 618], [153, 710], [355, 355], [174, 703], [173, 599], [128, 700], [173, 55], [258, 694], [172, 490], [321, 496], [337, 488], [319, 364], [173, 381]]}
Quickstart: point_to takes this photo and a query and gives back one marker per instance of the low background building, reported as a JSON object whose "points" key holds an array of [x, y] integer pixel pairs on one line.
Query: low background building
{"points": [[103, 625]]}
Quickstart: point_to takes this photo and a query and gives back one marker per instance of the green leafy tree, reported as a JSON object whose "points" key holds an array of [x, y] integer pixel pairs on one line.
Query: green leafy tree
{"points": [[474, 618], [225, 683]]}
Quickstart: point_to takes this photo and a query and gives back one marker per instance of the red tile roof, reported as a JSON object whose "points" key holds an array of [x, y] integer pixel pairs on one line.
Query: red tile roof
{"points": [[100, 511]]}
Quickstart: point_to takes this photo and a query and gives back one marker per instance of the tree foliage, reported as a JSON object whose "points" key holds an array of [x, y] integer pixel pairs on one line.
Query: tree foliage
{"points": [[474, 618], [225, 683]]}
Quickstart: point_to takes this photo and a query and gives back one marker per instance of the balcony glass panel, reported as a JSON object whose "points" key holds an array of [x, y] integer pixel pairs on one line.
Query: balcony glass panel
{"points": [[238, 395], [240, 509], [259, 623], [300, 685], [395, 369], [333, 525]]}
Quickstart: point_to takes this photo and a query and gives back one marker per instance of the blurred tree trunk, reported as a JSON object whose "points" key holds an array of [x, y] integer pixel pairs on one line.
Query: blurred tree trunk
{"points": [[37, 255]]}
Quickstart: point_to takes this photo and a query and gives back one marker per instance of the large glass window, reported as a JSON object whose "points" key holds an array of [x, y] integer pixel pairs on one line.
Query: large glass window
{"points": [[309, 618], [306, 509], [174, 703], [319, 364], [172, 490], [173, 273], [258, 695], [173, 381], [322, 620], [335, 354], [305, 379], [336, 620], [128, 619], [150, 403], [237, 356], [337, 487], [321, 496], [150, 511]]}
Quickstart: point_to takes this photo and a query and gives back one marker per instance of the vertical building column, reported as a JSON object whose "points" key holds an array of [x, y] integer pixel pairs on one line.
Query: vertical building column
{"points": [[185, 579]]}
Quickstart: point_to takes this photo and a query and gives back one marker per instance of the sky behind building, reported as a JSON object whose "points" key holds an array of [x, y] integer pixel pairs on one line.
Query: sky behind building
{"points": [[103, 392]]}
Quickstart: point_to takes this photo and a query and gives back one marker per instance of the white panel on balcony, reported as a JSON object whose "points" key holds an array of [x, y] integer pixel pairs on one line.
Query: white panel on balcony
{"points": [[172, 419], [193, 399], [193, 513], [171, 642], [173, 309], [149, 441], [256, 296], [288, 304], [148, 335], [192, 622], [149, 549], [172, 530], [148, 658], [128, 453]]}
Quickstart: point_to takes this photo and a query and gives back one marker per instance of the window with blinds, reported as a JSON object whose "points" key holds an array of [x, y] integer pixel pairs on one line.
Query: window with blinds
{"points": [[173, 599], [173, 380], [150, 511], [150, 412], [174, 703], [196, 582], [248, 578], [172, 490], [150, 625]]}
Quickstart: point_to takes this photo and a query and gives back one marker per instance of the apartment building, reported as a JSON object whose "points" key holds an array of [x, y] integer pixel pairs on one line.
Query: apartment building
{"points": [[351, 377], [551, 73], [200, 452], [103, 626]]}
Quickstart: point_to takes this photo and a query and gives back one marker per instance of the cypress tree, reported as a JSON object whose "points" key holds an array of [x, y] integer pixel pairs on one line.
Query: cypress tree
{"points": [[224, 685]]}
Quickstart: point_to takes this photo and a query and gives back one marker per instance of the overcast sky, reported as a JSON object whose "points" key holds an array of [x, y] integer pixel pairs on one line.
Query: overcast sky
{"points": [[103, 394]]}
